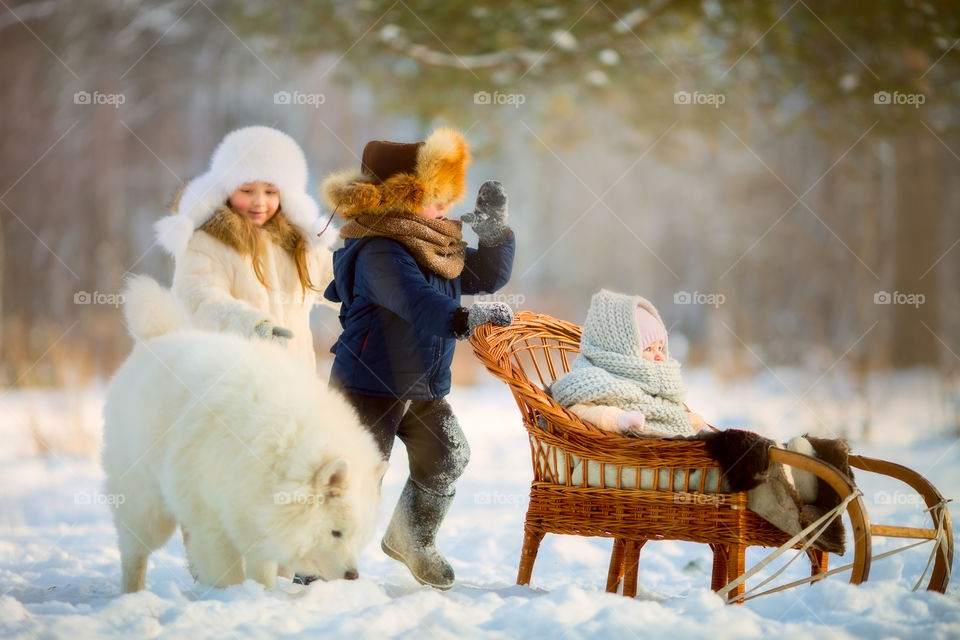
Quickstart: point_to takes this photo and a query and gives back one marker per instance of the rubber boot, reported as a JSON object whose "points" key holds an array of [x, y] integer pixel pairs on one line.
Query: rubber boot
{"points": [[411, 536]]}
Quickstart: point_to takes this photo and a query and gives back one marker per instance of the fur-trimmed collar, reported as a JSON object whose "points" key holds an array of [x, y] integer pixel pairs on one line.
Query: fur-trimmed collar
{"points": [[227, 226], [439, 178]]}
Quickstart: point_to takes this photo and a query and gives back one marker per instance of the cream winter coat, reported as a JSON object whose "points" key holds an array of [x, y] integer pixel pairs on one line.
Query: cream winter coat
{"points": [[220, 290]]}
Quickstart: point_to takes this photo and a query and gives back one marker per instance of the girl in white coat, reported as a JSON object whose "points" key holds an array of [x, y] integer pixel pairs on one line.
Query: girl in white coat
{"points": [[245, 238]]}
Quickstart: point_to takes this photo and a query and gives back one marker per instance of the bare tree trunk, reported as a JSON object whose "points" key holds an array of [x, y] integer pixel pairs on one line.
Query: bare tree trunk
{"points": [[919, 199], [3, 324]]}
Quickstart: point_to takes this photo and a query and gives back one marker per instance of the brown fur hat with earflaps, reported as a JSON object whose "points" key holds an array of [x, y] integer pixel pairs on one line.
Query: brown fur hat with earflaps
{"points": [[401, 177]]}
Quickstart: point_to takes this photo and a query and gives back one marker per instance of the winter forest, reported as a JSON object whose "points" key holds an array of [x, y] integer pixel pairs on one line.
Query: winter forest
{"points": [[777, 176]]}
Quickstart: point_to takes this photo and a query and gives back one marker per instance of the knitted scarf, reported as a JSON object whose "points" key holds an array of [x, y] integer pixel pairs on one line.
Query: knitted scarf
{"points": [[435, 244], [610, 369], [655, 389]]}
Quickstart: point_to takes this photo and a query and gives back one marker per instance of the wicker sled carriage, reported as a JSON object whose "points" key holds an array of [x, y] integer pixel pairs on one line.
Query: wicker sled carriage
{"points": [[590, 482]]}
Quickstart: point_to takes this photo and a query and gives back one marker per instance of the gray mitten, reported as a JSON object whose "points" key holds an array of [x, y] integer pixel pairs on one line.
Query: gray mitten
{"points": [[489, 218], [466, 320], [266, 330]]}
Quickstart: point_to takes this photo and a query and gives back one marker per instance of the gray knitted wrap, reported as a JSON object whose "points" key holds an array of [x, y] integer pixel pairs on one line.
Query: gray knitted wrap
{"points": [[610, 369]]}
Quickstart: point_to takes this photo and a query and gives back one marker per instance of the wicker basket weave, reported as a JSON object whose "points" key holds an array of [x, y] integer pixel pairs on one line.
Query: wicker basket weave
{"points": [[684, 502]]}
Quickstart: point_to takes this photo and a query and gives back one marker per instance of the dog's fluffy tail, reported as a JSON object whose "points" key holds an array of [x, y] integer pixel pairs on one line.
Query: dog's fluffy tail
{"points": [[151, 310]]}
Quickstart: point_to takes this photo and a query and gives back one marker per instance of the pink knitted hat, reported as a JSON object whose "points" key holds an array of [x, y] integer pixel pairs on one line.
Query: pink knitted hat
{"points": [[651, 328]]}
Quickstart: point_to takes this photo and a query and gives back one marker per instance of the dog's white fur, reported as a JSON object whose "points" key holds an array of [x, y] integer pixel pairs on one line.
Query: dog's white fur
{"points": [[238, 442]]}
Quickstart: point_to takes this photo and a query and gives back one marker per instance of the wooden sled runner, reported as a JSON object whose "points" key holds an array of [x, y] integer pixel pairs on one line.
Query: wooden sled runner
{"points": [[589, 482]]}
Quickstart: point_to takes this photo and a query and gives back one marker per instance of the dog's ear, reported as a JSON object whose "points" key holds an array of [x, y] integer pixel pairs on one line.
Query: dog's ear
{"points": [[332, 475], [381, 470]]}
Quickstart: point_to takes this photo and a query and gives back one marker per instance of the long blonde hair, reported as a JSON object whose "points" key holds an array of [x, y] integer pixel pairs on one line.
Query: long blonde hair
{"points": [[235, 229]]}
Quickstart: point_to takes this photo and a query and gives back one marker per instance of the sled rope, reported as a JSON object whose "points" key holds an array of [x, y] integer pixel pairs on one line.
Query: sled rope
{"points": [[940, 509], [820, 525], [939, 538], [821, 576], [749, 595]]}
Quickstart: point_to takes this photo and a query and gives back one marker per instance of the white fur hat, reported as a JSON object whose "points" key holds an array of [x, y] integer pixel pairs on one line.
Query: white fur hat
{"points": [[245, 155]]}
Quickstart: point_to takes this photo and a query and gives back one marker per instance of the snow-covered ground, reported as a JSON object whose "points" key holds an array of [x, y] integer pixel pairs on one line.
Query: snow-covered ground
{"points": [[59, 566]]}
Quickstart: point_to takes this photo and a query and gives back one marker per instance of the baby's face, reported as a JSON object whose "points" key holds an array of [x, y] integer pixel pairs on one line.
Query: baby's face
{"points": [[654, 352]]}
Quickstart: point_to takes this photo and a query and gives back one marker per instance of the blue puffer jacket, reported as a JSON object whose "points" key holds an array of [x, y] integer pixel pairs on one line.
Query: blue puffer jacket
{"points": [[397, 317]]}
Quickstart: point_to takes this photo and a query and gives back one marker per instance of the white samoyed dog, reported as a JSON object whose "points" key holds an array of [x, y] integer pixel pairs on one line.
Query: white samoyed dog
{"points": [[241, 444]]}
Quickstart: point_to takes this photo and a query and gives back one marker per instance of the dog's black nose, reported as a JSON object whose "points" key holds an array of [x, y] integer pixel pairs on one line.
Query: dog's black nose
{"points": [[351, 575]]}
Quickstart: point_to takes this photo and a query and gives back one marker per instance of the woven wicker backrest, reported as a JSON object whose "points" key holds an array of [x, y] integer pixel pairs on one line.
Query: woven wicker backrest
{"points": [[528, 356]]}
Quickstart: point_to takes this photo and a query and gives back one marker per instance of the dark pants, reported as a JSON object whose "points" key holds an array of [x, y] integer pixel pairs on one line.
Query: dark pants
{"points": [[436, 446]]}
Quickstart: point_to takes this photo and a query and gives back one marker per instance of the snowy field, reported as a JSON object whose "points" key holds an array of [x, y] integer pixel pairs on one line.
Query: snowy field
{"points": [[60, 569]]}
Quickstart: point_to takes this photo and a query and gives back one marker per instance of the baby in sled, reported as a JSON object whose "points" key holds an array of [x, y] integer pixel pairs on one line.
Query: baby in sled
{"points": [[624, 381]]}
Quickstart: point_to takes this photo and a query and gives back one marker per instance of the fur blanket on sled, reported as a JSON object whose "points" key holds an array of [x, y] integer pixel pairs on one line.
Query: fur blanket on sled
{"points": [[786, 497]]}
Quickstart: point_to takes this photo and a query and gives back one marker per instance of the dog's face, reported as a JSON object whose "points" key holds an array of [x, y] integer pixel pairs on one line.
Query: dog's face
{"points": [[327, 520]]}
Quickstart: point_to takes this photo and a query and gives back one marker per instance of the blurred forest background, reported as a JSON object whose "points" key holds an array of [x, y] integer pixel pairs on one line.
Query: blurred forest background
{"points": [[780, 177]]}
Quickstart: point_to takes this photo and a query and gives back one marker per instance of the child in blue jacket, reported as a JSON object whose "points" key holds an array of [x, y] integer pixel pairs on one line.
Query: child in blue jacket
{"points": [[399, 278]]}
